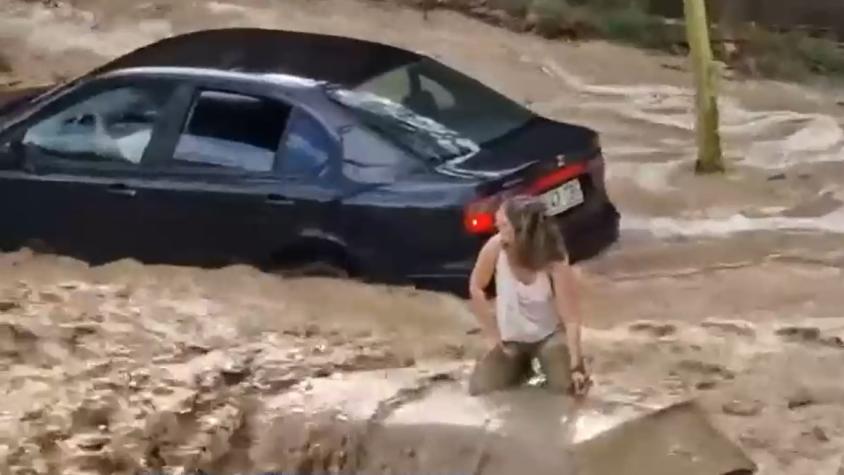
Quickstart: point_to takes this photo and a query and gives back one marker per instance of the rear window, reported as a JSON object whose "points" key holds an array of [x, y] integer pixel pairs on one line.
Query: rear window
{"points": [[432, 110], [415, 133]]}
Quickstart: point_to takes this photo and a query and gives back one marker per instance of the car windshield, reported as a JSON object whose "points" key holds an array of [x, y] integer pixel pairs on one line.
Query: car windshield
{"points": [[432, 110]]}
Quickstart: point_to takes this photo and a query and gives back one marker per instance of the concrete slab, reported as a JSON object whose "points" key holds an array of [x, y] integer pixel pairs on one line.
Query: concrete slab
{"points": [[675, 440], [403, 423]]}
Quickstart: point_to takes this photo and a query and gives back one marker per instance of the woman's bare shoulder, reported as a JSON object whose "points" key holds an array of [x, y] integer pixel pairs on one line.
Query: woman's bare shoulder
{"points": [[491, 248], [493, 243]]}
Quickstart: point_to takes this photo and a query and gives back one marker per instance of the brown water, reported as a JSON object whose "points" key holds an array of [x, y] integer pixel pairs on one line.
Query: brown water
{"points": [[738, 278]]}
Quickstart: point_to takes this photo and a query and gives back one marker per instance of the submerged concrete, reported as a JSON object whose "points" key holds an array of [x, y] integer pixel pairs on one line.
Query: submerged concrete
{"points": [[400, 423], [675, 440]]}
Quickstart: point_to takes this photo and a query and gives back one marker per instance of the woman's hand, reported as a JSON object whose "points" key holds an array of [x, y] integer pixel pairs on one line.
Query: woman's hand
{"points": [[508, 350], [581, 382], [495, 342]]}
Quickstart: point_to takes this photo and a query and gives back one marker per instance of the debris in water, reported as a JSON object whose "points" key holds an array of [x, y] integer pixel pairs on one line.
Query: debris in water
{"points": [[833, 341], [801, 398], [705, 368], [819, 434], [656, 329], [743, 408], [323, 372], [799, 334], [442, 376], [741, 328]]}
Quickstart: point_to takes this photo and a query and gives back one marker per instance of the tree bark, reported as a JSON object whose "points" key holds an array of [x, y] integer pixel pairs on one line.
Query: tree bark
{"points": [[709, 158]]}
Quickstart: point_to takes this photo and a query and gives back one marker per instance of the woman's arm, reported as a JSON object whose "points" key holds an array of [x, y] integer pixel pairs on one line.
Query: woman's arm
{"points": [[479, 280], [567, 302]]}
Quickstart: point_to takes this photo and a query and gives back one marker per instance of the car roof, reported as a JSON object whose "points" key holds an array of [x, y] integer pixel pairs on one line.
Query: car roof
{"points": [[312, 56], [286, 80]]}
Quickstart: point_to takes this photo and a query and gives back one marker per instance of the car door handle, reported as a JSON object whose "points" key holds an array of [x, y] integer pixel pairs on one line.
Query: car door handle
{"points": [[278, 200], [121, 189]]}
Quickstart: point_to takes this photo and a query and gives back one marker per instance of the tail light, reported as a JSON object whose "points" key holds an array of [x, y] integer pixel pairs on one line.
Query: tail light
{"points": [[479, 215]]}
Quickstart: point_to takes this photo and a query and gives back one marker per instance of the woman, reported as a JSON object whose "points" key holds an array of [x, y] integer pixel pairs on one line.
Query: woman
{"points": [[536, 313]]}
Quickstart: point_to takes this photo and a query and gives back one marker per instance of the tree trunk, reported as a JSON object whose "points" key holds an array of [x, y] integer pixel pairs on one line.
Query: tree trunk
{"points": [[708, 138]]}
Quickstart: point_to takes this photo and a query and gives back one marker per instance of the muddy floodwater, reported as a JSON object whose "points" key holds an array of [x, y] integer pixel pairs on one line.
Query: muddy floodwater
{"points": [[725, 291]]}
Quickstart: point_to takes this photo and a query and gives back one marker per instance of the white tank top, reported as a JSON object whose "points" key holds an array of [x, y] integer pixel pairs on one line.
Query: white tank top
{"points": [[525, 313]]}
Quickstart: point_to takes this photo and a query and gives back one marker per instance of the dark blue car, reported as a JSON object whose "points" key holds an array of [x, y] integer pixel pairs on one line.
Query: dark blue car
{"points": [[287, 151]]}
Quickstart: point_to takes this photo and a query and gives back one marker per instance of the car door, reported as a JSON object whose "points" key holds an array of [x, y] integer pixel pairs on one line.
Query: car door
{"points": [[237, 184], [71, 167], [309, 169]]}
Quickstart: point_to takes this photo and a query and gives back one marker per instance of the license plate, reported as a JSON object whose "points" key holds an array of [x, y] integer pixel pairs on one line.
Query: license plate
{"points": [[563, 197]]}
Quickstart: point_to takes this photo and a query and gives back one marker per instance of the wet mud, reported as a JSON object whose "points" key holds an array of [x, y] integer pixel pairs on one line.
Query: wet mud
{"points": [[128, 367]]}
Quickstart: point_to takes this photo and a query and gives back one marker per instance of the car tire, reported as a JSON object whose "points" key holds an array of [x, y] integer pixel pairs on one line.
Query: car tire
{"points": [[322, 269], [319, 268], [313, 259]]}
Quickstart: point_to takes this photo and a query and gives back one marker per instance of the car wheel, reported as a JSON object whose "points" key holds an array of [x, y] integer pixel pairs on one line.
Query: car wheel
{"points": [[313, 259], [321, 269], [318, 268]]}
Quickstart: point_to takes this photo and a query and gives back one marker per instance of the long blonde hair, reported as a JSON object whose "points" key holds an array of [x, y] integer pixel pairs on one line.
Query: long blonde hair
{"points": [[538, 241]]}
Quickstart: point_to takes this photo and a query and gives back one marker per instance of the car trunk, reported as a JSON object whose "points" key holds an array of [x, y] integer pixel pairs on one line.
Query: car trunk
{"points": [[534, 158], [540, 148], [560, 162]]}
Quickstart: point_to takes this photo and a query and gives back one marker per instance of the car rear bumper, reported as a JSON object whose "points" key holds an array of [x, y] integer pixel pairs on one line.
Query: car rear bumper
{"points": [[588, 231], [591, 232]]}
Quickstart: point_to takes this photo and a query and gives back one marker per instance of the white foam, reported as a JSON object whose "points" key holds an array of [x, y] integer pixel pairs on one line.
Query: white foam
{"points": [[653, 177], [821, 139], [772, 139], [670, 227]]}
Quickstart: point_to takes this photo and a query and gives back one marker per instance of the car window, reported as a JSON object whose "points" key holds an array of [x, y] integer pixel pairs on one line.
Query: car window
{"points": [[430, 99], [114, 125], [413, 132], [442, 97], [367, 158], [232, 131], [395, 85], [307, 146], [446, 100]]}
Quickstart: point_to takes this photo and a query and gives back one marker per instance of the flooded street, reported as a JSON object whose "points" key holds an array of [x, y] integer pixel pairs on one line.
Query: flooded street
{"points": [[723, 289]]}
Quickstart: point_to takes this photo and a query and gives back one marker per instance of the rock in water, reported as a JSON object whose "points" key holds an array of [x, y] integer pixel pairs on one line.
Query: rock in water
{"points": [[742, 408], [801, 397], [820, 434]]}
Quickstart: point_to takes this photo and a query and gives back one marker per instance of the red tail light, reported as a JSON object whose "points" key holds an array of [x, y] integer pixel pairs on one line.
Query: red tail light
{"points": [[479, 216], [480, 223]]}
